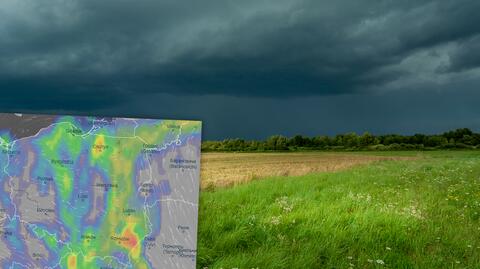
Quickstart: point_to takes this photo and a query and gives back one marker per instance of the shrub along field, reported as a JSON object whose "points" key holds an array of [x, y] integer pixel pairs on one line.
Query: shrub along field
{"points": [[415, 213], [463, 138]]}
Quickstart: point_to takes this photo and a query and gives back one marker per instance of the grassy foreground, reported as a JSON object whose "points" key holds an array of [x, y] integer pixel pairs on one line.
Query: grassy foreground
{"points": [[390, 214]]}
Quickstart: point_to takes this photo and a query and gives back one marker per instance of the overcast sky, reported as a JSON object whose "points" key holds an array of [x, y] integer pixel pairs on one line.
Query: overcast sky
{"points": [[249, 68]]}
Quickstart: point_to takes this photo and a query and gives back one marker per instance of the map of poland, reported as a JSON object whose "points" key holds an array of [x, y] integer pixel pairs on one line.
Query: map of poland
{"points": [[91, 192]]}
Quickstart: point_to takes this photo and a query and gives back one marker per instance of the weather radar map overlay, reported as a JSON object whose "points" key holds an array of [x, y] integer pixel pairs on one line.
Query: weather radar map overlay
{"points": [[92, 192]]}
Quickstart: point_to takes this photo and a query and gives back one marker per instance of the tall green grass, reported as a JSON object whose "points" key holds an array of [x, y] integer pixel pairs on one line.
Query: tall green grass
{"points": [[422, 213]]}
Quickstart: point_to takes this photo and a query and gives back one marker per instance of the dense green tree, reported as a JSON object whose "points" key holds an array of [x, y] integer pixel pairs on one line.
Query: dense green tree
{"points": [[366, 139], [459, 138], [350, 140], [297, 141], [458, 134], [321, 142], [276, 142], [435, 141]]}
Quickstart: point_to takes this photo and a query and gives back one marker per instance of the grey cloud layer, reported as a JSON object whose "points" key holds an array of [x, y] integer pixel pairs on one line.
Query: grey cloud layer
{"points": [[239, 48]]}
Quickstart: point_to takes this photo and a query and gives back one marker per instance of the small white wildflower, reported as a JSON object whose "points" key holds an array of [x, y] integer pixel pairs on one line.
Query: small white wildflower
{"points": [[275, 220], [388, 248], [284, 204], [380, 261], [349, 257]]}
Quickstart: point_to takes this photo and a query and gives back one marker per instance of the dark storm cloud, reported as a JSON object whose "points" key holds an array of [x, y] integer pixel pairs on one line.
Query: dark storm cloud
{"points": [[467, 56], [241, 48], [43, 94], [254, 63], [412, 112]]}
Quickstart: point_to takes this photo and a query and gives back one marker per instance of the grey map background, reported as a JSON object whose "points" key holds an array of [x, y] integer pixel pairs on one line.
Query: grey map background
{"points": [[174, 247]]}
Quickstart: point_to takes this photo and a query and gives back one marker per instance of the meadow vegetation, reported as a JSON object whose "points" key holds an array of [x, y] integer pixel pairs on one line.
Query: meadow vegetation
{"points": [[392, 213]]}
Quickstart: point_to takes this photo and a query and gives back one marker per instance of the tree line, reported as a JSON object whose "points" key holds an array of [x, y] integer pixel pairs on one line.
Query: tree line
{"points": [[462, 138]]}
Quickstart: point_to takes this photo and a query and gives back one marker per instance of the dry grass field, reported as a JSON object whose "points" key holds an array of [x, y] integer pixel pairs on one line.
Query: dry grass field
{"points": [[230, 169]]}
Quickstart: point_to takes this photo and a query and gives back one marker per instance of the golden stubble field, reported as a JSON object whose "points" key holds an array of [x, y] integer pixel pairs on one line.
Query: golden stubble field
{"points": [[229, 169]]}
